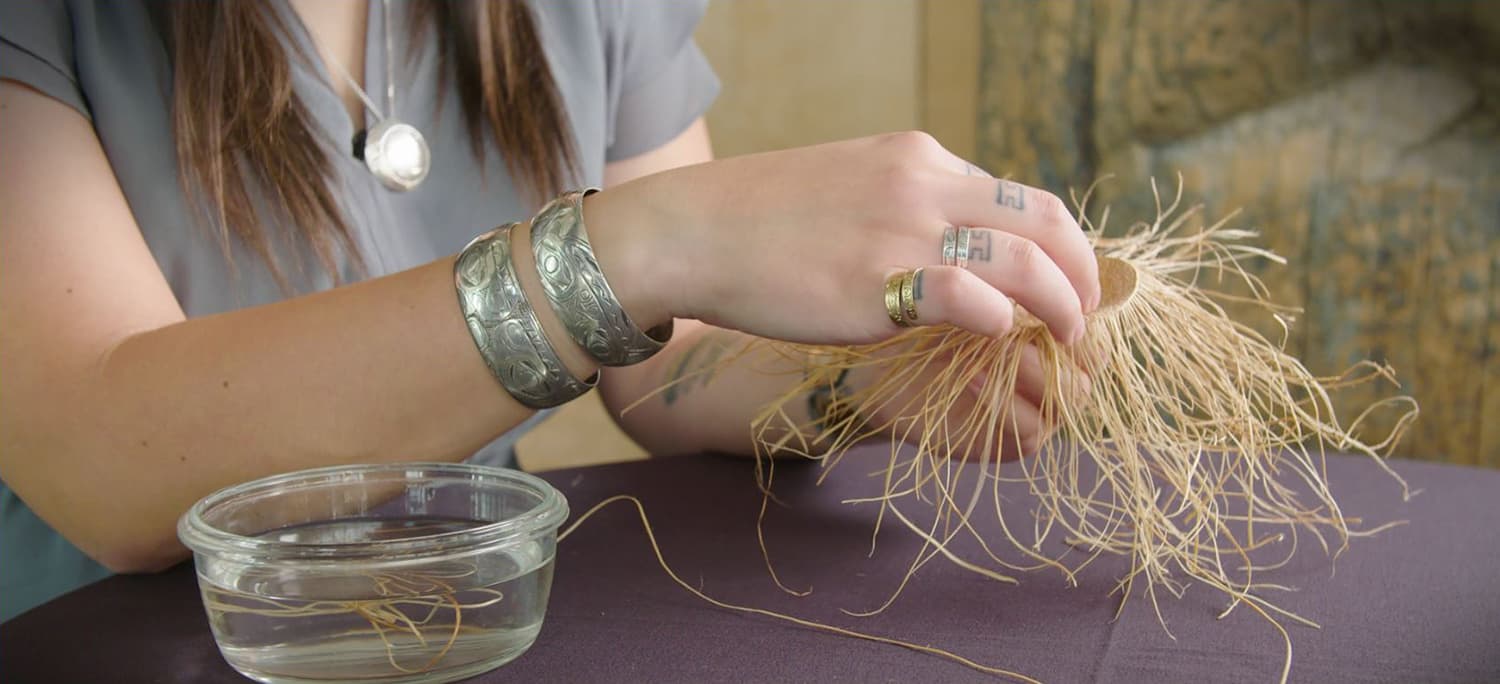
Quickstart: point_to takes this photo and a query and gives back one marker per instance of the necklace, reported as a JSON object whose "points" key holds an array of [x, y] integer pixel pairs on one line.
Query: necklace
{"points": [[394, 151]]}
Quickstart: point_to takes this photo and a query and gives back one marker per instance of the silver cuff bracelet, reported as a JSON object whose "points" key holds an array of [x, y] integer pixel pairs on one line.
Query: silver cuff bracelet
{"points": [[506, 329], [579, 294]]}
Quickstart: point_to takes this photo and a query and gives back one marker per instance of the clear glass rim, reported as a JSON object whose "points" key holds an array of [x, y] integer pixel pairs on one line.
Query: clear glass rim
{"points": [[201, 537]]}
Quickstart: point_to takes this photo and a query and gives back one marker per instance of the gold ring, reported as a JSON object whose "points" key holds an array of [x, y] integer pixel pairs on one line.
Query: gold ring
{"points": [[908, 295], [893, 302]]}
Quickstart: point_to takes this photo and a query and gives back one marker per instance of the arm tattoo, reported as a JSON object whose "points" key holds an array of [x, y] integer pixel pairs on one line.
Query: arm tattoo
{"points": [[1011, 195], [691, 370], [821, 404]]}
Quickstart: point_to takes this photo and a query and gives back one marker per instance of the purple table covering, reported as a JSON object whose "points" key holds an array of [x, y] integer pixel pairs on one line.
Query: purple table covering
{"points": [[1419, 602]]}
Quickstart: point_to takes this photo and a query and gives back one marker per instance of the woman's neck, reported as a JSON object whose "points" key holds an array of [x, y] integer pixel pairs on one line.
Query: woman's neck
{"points": [[338, 28]]}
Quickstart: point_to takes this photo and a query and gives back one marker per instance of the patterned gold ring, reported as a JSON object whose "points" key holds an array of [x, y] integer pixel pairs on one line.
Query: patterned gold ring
{"points": [[908, 295], [893, 304]]}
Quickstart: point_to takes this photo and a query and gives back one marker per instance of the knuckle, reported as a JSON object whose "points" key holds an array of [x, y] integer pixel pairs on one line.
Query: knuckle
{"points": [[1024, 254], [1052, 210], [904, 187], [1002, 316], [913, 144]]}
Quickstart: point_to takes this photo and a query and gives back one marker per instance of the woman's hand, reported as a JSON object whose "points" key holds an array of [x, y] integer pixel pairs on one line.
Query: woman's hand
{"points": [[796, 245], [1021, 429]]}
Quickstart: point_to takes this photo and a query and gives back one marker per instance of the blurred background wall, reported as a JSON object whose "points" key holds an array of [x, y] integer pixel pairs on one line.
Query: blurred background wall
{"points": [[1361, 138]]}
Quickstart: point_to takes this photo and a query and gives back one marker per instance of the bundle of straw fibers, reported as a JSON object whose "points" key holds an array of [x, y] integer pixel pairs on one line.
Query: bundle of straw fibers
{"points": [[1203, 438]]}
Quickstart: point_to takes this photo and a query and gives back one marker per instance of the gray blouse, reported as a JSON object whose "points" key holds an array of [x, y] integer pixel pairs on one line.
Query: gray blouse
{"points": [[629, 74]]}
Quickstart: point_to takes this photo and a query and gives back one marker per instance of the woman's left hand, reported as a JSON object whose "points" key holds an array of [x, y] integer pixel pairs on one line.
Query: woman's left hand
{"points": [[1021, 428]]}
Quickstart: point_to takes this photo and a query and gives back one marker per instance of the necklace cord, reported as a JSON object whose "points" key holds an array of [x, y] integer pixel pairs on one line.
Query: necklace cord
{"points": [[390, 77], [390, 82]]}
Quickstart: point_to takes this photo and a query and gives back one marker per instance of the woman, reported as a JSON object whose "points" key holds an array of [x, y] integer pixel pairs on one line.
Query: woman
{"points": [[210, 270]]}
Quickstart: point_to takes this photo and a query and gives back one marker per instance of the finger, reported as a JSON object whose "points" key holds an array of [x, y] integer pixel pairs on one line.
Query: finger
{"points": [[1021, 424], [1033, 214], [1019, 268], [954, 296], [1021, 430], [1076, 382], [1031, 380], [1024, 433]]}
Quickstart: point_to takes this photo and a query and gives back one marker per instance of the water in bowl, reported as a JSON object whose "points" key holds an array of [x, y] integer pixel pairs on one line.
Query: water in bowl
{"points": [[426, 622]]}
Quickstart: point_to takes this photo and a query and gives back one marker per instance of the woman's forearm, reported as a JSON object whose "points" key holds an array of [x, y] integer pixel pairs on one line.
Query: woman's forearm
{"points": [[696, 401], [383, 370]]}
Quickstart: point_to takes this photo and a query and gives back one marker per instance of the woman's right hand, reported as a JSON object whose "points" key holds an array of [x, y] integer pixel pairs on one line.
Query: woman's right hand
{"points": [[796, 245]]}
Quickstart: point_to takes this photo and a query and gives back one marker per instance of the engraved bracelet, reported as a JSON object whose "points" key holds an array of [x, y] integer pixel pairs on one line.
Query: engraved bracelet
{"points": [[506, 329], [580, 296]]}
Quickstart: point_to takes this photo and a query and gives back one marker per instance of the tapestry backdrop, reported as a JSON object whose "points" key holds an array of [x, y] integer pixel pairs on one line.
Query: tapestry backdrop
{"points": [[1362, 139]]}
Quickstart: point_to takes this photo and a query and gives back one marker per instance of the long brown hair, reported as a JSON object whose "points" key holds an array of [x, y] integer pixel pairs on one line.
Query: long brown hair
{"points": [[241, 131]]}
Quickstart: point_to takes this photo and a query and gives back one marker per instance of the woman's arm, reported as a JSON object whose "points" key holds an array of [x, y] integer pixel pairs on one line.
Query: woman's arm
{"points": [[117, 412]]}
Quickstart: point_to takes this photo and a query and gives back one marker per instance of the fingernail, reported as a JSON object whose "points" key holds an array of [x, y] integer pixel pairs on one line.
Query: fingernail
{"points": [[1079, 332]]}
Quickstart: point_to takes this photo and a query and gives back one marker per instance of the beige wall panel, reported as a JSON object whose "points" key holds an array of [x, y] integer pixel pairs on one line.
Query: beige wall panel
{"points": [[798, 73], [950, 72]]}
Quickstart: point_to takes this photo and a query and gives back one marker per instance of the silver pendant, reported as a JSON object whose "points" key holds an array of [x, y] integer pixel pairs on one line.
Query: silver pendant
{"points": [[397, 154]]}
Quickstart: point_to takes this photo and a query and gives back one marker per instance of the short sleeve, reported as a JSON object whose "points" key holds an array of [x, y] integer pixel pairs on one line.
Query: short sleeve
{"points": [[663, 83], [36, 48]]}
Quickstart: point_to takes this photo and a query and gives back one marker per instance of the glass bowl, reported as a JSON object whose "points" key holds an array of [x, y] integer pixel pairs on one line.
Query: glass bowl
{"points": [[419, 572]]}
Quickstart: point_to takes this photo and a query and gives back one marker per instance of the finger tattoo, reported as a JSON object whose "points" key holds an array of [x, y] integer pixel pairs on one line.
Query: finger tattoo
{"points": [[1011, 195], [981, 245]]}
